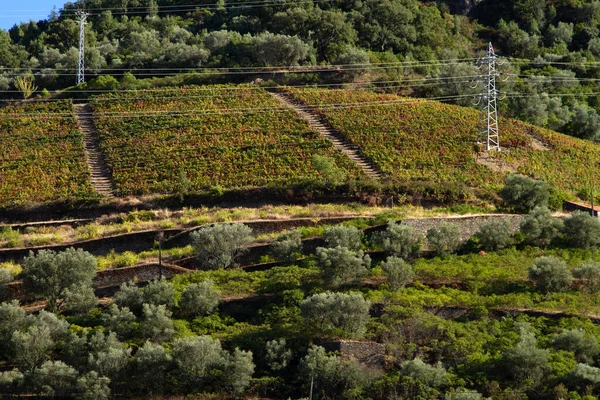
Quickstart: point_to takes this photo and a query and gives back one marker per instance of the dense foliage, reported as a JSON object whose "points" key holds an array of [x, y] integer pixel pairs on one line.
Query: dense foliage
{"points": [[41, 157]]}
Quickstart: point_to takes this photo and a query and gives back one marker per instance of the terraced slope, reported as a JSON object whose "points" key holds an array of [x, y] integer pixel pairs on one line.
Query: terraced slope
{"points": [[219, 135], [427, 140], [41, 154]]}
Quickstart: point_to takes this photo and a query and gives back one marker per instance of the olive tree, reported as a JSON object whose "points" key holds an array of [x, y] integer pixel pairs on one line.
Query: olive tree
{"points": [[494, 234], [399, 273], [30, 348], [341, 265], [92, 386], [336, 313], [159, 292], [55, 379], [218, 246], [401, 240], [444, 239], [131, 296], [523, 194], [287, 246], [199, 299], [539, 227], [277, 354], [526, 361], [430, 375], [150, 366], [328, 373], [589, 274], [343, 236], [550, 274], [53, 275], [108, 356], [157, 324], [582, 230], [119, 320], [583, 345]]}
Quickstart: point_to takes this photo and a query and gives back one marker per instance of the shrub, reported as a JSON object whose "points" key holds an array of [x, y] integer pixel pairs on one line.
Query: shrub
{"points": [[582, 230], [150, 365], [344, 236], [550, 274], [160, 292], [525, 360], [337, 313], [583, 345], [494, 234], [432, 376], [445, 239], [119, 320], [341, 265], [287, 246], [539, 227], [130, 296], [277, 355], [398, 272], [589, 273], [199, 299], [331, 173], [92, 386], [108, 356], [219, 245], [463, 394], [157, 324], [523, 194], [401, 240], [585, 375], [329, 374], [55, 379], [51, 275]]}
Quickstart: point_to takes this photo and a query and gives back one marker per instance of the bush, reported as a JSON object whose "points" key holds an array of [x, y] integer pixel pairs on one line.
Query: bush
{"points": [[130, 296], [583, 345], [581, 230], [523, 194], [539, 227], [398, 272], [287, 246], [337, 314], [160, 292], [343, 236], [589, 273], [199, 299], [585, 375], [526, 361], [401, 240], [445, 239], [51, 275], [277, 355], [157, 324], [341, 265], [119, 320], [219, 245], [329, 374], [494, 234], [432, 376], [550, 274]]}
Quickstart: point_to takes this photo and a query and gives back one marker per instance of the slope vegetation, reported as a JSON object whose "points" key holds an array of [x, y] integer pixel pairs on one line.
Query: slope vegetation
{"points": [[426, 140], [42, 154], [219, 135]]}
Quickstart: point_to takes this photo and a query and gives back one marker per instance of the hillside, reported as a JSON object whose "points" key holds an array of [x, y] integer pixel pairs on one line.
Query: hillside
{"points": [[424, 140]]}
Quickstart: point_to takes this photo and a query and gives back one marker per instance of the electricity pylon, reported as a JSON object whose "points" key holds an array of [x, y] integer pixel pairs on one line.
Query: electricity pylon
{"points": [[488, 127], [82, 16]]}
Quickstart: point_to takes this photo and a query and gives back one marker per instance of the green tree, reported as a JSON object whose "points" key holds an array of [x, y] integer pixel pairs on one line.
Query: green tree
{"points": [[277, 354], [131, 296], [445, 239], [539, 227], [239, 371], [107, 355], [53, 275], [589, 273], [550, 274], [523, 194], [198, 360], [199, 299], [338, 314], [119, 320], [329, 374], [583, 345], [55, 379], [331, 173], [219, 245], [494, 234], [341, 265], [526, 361], [398, 272], [349, 237], [433, 376], [92, 386], [151, 366], [160, 292], [157, 324], [270, 49], [401, 240], [582, 230], [31, 347], [287, 246]]}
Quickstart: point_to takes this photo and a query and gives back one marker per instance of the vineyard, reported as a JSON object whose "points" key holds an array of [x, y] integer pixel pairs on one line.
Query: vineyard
{"points": [[42, 155], [219, 136], [425, 140]]}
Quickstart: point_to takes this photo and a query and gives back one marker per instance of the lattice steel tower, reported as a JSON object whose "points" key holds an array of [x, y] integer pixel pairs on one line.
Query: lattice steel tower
{"points": [[82, 16], [489, 99]]}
